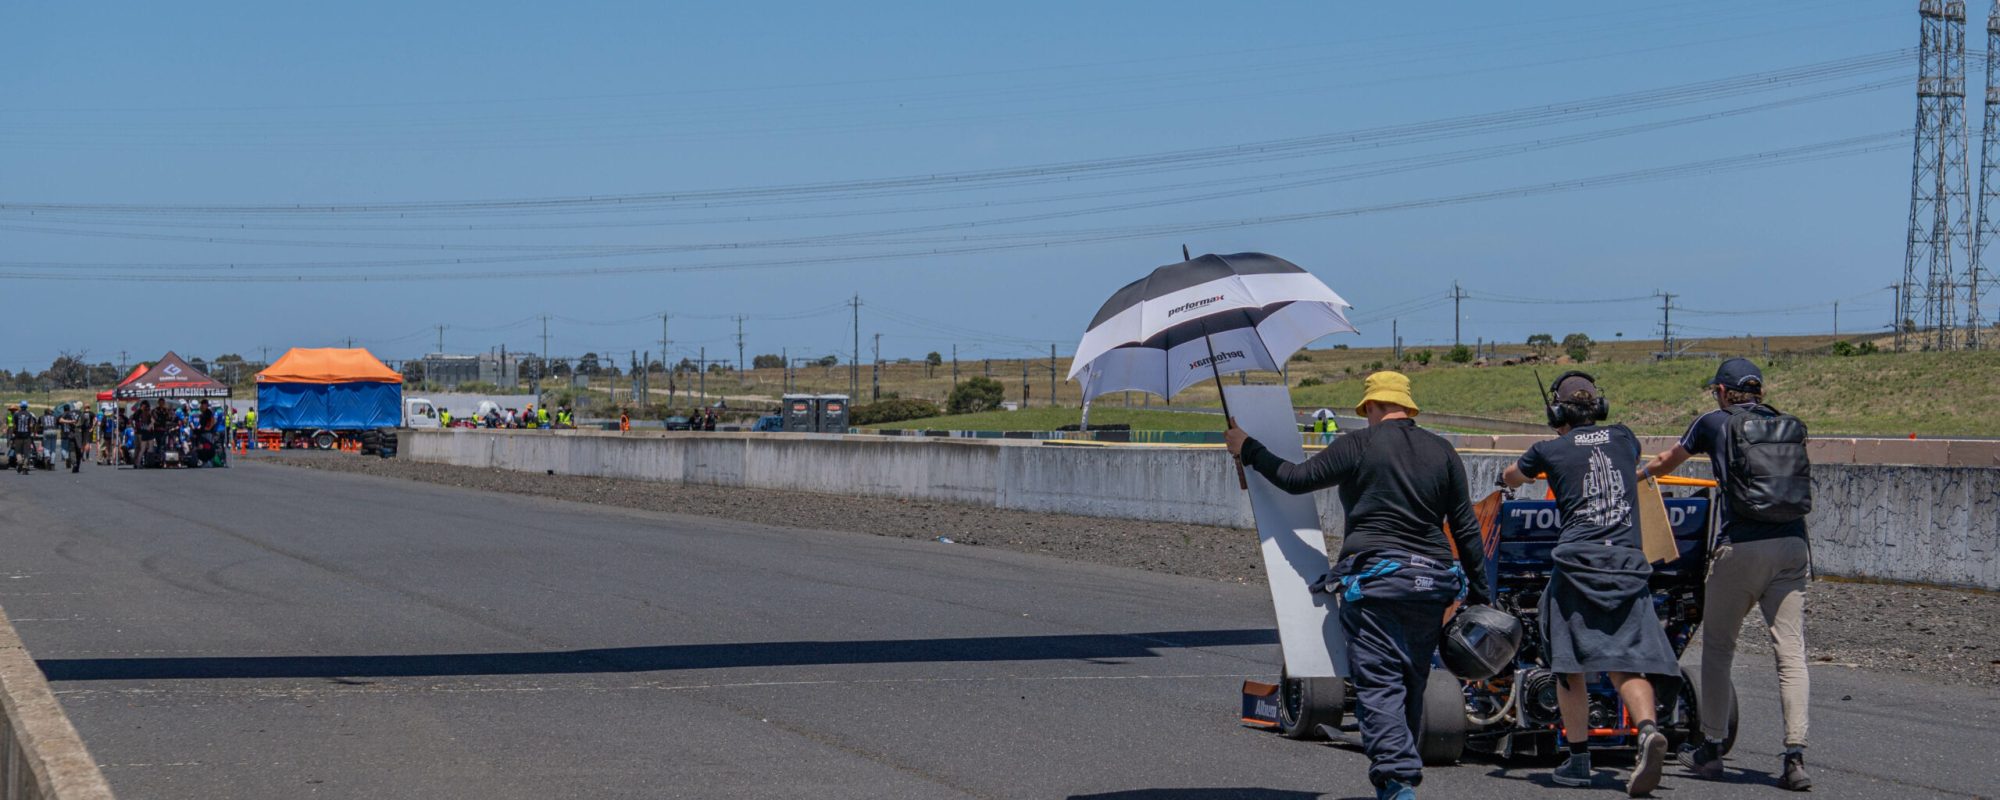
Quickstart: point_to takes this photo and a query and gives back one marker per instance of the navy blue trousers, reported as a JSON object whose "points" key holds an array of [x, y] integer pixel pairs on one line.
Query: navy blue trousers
{"points": [[1392, 611]]}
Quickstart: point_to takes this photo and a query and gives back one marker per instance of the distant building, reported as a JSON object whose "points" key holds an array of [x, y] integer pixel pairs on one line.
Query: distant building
{"points": [[448, 371]]}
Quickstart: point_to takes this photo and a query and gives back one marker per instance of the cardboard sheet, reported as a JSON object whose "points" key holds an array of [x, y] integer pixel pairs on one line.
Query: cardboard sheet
{"points": [[1294, 548], [1656, 531]]}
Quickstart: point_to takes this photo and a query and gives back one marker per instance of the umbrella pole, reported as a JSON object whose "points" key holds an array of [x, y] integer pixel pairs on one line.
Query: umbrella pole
{"points": [[1242, 480]]}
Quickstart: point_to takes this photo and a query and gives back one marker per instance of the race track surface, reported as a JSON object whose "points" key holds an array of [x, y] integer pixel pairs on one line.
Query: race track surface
{"points": [[272, 632]]}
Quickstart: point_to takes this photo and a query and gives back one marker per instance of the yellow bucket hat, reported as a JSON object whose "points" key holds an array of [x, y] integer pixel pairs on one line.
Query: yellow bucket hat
{"points": [[1387, 387]]}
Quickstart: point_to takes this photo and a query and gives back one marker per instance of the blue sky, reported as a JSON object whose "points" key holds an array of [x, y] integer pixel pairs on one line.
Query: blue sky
{"points": [[199, 118]]}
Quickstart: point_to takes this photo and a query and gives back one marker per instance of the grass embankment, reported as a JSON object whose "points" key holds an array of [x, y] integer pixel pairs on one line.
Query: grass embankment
{"points": [[1933, 394], [1048, 419]]}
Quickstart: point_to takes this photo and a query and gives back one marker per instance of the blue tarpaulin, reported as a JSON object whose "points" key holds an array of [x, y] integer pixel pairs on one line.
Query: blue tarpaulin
{"points": [[330, 406]]}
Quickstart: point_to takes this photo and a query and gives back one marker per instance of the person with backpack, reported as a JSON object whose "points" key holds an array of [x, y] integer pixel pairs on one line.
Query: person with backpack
{"points": [[1597, 613], [1398, 570], [1760, 559]]}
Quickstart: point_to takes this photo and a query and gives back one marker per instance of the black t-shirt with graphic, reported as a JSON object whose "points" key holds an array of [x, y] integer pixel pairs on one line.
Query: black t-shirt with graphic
{"points": [[1591, 470]]}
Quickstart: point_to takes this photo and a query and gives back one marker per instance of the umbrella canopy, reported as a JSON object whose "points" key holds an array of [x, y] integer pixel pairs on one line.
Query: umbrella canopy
{"points": [[1250, 311]]}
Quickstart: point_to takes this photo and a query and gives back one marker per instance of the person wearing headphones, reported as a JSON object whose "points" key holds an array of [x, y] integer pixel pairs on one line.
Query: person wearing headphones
{"points": [[1597, 613]]}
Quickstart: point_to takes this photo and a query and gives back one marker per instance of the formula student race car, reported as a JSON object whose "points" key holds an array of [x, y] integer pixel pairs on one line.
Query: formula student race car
{"points": [[1514, 713]]}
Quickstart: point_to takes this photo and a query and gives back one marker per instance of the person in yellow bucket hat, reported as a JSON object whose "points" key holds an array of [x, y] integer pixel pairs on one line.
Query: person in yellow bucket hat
{"points": [[1397, 572], [1387, 387]]}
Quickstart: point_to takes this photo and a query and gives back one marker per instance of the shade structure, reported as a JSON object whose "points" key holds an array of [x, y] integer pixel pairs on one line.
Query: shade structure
{"points": [[170, 377], [1252, 311], [328, 365]]}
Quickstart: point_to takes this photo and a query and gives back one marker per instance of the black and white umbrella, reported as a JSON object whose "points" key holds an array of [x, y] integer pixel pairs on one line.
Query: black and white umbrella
{"points": [[1204, 317]]}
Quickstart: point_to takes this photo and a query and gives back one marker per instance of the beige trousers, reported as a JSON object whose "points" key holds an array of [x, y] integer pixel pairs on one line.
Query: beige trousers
{"points": [[1770, 576]]}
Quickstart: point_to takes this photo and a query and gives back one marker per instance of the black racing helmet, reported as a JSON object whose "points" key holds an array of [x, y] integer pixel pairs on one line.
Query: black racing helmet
{"points": [[1480, 642]]}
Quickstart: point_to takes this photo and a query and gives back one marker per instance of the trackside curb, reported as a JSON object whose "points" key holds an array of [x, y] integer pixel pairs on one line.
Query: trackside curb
{"points": [[42, 758]]}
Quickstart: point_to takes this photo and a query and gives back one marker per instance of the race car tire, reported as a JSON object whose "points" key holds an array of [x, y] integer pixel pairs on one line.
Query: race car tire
{"points": [[1687, 709], [1304, 704], [1443, 739]]}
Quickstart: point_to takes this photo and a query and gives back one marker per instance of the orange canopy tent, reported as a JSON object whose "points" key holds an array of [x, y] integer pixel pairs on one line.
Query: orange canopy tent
{"points": [[328, 365]]}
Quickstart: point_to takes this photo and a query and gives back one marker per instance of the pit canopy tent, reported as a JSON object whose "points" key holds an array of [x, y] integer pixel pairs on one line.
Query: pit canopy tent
{"points": [[330, 388], [111, 394], [169, 378]]}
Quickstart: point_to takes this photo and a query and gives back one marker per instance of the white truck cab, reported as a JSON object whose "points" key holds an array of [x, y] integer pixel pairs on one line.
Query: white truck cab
{"points": [[419, 412]]}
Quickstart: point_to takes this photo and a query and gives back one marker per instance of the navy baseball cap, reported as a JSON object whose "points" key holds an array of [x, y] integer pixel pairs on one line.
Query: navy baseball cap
{"points": [[1740, 375]]}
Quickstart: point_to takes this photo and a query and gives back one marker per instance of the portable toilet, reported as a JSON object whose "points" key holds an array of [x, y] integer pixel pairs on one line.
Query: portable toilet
{"points": [[832, 413], [801, 413]]}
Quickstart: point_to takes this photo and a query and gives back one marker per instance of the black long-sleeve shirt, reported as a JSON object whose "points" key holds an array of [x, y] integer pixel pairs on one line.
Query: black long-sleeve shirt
{"points": [[1400, 485]]}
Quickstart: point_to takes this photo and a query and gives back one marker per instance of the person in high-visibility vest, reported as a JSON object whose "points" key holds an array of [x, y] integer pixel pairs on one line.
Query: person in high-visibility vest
{"points": [[250, 422], [444, 417], [624, 422], [542, 415]]}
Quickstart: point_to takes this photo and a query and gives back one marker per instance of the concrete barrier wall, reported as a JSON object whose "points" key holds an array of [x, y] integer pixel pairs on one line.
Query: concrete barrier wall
{"points": [[1923, 524], [41, 757]]}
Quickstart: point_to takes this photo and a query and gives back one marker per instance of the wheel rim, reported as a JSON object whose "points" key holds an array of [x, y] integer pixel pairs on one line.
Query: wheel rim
{"points": [[1292, 697]]}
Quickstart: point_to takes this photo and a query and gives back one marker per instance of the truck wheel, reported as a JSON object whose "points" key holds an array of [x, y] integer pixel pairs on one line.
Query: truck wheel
{"points": [[324, 440], [1443, 738], [1686, 713], [1304, 704]]}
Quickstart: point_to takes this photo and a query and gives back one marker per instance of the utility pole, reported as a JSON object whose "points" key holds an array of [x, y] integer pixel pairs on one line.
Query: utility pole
{"points": [[1052, 374], [1395, 342], [703, 369], [785, 375], [739, 345], [954, 366], [1457, 294], [875, 374], [1666, 322], [122, 370], [1024, 383], [854, 364], [1896, 316], [541, 374], [440, 350], [1836, 319], [350, 343]]}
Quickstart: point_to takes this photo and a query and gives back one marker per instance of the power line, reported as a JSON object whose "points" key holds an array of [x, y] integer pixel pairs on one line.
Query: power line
{"points": [[1787, 156], [1534, 116]]}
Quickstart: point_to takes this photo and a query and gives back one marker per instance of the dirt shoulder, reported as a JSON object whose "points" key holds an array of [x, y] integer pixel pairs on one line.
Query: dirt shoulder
{"points": [[1936, 634]]}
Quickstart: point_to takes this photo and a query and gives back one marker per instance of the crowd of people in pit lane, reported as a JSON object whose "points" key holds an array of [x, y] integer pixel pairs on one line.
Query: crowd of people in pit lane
{"points": [[197, 433]]}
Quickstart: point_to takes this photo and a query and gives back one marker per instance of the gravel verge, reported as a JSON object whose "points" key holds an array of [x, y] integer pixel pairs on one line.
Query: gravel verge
{"points": [[1934, 634]]}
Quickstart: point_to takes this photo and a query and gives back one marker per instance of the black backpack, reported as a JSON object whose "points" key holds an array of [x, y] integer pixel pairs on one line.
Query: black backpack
{"points": [[1769, 478]]}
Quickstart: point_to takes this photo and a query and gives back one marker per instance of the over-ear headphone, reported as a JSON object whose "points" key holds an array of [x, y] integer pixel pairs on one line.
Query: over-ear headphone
{"points": [[1558, 417]]}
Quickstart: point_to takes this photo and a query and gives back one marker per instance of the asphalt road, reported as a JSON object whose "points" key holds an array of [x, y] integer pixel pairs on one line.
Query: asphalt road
{"points": [[270, 632]]}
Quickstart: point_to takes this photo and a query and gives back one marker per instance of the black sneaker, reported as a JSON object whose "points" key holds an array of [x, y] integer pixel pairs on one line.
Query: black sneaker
{"points": [[1646, 767], [1704, 761], [1575, 771], [1792, 772]]}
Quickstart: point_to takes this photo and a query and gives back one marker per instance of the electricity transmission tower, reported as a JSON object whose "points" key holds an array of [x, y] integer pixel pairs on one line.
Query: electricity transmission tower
{"points": [[1989, 183], [1939, 203]]}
